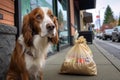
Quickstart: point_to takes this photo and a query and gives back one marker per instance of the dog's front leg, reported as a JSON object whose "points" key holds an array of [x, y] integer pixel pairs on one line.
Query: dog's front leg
{"points": [[25, 76], [11, 76], [41, 75]]}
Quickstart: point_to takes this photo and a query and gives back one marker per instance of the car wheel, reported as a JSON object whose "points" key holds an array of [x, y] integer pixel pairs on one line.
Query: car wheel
{"points": [[104, 38], [110, 38], [118, 40], [113, 40]]}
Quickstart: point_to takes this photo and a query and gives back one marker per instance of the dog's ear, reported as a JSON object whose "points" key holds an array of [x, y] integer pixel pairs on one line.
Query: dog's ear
{"points": [[55, 39], [27, 31]]}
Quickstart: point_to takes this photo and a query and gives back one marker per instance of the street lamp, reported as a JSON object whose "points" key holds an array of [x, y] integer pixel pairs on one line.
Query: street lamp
{"points": [[100, 16]]}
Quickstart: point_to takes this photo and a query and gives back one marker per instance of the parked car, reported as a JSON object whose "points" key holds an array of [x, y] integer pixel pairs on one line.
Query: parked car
{"points": [[107, 34], [99, 35], [116, 34]]}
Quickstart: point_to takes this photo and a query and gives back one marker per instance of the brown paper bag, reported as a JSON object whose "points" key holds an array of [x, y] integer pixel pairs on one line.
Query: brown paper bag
{"points": [[79, 60]]}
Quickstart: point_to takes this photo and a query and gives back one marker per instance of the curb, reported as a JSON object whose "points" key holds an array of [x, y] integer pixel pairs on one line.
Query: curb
{"points": [[113, 60]]}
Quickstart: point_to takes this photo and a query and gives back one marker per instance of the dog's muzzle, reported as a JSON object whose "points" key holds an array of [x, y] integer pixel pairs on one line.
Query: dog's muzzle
{"points": [[50, 28]]}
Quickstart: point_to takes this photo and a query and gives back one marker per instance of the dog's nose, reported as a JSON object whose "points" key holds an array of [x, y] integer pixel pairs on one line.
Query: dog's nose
{"points": [[50, 26]]}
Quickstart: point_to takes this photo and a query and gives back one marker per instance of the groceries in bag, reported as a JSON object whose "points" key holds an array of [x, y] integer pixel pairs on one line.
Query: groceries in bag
{"points": [[79, 60]]}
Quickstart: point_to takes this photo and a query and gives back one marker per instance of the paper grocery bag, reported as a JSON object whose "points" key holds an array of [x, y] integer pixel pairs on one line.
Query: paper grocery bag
{"points": [[79, 60]]}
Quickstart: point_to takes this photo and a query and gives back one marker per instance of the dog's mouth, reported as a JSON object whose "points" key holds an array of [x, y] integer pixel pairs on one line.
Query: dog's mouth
{"points": [[49, 34]]}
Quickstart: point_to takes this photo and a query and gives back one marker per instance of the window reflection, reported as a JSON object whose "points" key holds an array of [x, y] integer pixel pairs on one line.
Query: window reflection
{"points": [[41, 3], [62, 22], [61, 13]]}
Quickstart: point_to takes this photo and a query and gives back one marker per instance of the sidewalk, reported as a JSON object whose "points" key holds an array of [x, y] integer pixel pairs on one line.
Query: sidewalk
{"points": [[107, 65]]}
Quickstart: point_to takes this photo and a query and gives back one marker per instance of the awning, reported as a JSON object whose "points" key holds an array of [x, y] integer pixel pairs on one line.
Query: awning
{"points": [[87, 4], [87, 17], [80, 4]]}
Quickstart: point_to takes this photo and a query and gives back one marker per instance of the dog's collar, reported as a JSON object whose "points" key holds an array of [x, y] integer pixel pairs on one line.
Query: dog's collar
{"points": [[28, 52], [49, 39]]}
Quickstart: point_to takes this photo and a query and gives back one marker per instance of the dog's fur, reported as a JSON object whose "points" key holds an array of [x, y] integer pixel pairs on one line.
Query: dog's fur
{"points": [[39, 30]]}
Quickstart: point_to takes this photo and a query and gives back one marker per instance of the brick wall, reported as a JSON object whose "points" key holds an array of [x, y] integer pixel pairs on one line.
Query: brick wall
{"points": [[7, 10]]}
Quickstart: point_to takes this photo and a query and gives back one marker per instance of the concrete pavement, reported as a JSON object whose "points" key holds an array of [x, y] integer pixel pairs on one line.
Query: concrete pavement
{"points": [[107, 65]]}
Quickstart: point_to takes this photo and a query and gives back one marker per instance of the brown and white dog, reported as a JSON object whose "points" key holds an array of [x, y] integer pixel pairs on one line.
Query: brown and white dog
{"points": [[38, 32]]}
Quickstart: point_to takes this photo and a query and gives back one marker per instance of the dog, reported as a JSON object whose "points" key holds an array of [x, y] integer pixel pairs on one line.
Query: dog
{"points": [[39, 31]]}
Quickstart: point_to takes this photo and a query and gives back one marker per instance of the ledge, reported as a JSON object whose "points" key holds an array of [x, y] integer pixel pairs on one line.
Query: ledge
{"points": [[6, 29]]}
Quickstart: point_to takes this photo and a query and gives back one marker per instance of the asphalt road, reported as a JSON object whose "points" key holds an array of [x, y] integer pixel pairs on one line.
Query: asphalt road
{"points": [[112, 47]]}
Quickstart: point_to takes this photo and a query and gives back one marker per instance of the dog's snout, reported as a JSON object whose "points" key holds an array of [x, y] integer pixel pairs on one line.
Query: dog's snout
{"points": [[50, 26]]}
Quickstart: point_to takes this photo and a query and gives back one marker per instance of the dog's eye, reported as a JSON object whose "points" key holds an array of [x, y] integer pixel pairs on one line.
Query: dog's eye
{"points": [[38, 17], [51, 16]]}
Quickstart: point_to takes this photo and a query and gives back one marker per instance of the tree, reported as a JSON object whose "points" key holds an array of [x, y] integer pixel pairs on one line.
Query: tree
{"points": [[60, 18], [108, 16], [119, 21]]}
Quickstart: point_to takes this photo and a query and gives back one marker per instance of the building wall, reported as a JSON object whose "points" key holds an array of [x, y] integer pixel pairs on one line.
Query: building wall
{"points": [[7, 10], [7, 43], [7, 35], [72, 16]]}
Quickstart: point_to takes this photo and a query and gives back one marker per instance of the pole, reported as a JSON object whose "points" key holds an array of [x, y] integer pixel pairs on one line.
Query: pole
{"points": [[100, 18], [99, 21]]}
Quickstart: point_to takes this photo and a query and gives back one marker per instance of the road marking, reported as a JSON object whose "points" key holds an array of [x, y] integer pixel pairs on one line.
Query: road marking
{"points": [[116, 46], [113, 45]]}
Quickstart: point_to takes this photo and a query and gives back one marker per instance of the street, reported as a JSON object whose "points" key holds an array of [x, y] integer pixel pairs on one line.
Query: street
{"points": [[112, 47], [107, 66]]}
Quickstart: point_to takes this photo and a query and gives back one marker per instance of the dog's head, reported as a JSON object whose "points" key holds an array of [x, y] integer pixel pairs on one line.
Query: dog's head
{"points": [[40, 21]]}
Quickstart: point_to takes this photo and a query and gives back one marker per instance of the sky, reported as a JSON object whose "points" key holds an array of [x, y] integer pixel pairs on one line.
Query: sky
{"points": [[101, 6]]}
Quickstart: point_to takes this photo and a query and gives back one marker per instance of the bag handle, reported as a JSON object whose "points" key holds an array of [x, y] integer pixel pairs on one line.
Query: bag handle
{"points": [[81, 39]]}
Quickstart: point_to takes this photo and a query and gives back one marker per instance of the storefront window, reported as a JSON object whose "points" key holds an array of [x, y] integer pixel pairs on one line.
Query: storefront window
{"points": [[62, 21], [28, 5], [33, 4], [41, 3], [25, 5]]}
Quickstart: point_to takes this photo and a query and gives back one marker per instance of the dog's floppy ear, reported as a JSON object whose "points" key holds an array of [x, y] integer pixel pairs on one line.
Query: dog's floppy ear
{"points": [[27, 31], [55, 38]]}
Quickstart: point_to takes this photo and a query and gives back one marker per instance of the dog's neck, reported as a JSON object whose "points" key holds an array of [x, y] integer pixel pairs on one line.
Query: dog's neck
{"points": [[40, 44]]}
